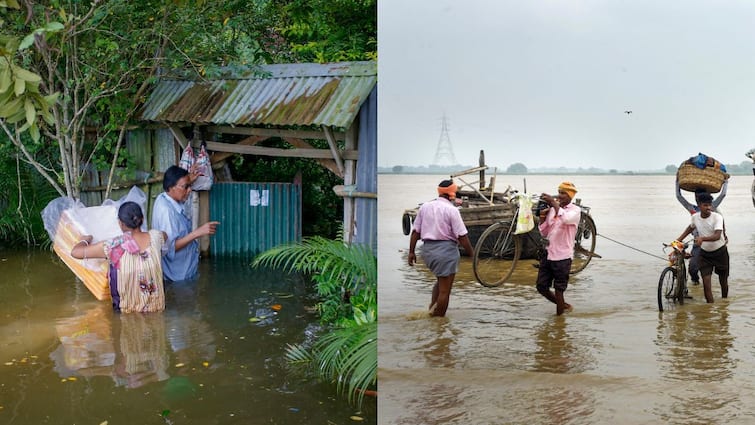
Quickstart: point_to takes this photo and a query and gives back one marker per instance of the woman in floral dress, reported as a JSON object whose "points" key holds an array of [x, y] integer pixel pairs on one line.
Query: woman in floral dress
{"points": [[136, 276]]}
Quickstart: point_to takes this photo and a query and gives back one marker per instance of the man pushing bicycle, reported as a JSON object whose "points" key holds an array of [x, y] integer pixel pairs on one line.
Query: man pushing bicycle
{"points": [[710, 238]]}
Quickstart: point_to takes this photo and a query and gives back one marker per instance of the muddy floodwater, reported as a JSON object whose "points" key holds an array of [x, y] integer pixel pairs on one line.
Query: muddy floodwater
{"points": [[502, 356], [214, 356]]}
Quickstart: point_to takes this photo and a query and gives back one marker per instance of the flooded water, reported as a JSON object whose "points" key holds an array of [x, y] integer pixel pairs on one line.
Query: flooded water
{"points": [[214, 356], [501, 355]]}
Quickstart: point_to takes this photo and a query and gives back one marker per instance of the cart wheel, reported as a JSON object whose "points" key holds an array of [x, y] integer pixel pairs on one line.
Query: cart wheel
{"points": [[406, 224]]}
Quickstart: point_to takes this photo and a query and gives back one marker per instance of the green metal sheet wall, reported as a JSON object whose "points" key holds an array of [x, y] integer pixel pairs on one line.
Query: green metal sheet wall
{"points": [[254, 217]]}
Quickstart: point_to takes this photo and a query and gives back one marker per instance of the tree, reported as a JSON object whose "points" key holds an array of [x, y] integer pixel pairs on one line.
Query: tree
{"points": [[330, 30], [398, 169], [671, 169], [73, 74], [85, 67], [517, 168]]}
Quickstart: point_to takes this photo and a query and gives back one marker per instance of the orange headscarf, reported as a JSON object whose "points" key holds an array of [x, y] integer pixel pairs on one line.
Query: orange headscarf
{"points": [[569, 188], [448, 190]]}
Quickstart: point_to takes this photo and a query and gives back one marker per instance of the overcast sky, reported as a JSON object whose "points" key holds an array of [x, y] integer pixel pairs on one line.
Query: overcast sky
{"points": [[547, 83]]}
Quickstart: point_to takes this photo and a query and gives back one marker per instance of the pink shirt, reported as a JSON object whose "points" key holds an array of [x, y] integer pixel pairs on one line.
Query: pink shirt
{"points": [[439, 220], [560, 229]]}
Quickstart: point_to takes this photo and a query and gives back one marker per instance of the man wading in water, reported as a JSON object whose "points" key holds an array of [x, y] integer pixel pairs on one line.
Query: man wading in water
{"points": [[714, 256], [559, 224], [441, 229]]}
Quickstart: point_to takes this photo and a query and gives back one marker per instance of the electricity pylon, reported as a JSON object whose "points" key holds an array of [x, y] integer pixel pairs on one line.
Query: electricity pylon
{"points": [[444, 154]]}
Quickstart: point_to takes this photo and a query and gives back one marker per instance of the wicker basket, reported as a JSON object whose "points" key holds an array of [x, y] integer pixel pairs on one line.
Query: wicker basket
{"points": [[691, 178]]}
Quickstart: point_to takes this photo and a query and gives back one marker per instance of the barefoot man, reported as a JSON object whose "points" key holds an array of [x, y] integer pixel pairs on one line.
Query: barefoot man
{"points": [[558, 224], [712, 242], [441, 229]]}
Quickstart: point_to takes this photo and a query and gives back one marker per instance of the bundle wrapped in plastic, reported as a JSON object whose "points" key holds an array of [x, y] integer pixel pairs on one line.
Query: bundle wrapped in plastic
{"points": [[67, 221]]}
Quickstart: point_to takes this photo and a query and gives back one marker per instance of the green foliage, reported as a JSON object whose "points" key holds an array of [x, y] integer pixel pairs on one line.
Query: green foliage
{"points": [[73, 74], [346, 357], [22, 196], [331, 30], [20, 97], [346, 282], [340, 271]]}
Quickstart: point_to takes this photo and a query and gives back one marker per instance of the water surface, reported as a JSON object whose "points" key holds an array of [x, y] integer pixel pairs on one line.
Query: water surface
{"points": [[214, 356], [501, 355]]}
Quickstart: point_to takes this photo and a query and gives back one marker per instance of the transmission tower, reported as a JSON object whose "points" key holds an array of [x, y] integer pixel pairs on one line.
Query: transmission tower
{"points": [[444, 155]]}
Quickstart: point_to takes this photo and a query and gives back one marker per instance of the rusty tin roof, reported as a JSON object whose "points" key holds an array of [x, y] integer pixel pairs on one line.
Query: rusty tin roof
{"points": [[297, 94]]}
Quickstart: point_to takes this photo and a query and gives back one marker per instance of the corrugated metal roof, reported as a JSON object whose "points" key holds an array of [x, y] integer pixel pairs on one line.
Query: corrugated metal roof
{"points": [[282, 95]]}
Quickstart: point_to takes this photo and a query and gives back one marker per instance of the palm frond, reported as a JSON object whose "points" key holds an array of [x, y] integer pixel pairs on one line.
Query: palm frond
{"points": [[348, 358]]}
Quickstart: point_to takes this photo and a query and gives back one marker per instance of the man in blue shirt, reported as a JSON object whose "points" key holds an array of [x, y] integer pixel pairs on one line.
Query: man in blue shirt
{"points": [[180, 259]]}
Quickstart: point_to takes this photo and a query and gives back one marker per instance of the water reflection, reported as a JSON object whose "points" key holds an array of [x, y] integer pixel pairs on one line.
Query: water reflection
{"points": [[561, 348], [141, 349], [134, 349], [190, 336], [694, 342], [86, 344], [443, 336], [203, 358], [129, 348]]}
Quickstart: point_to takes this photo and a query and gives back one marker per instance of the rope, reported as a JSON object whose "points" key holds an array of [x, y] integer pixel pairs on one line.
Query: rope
{"points": [[631, 247]]}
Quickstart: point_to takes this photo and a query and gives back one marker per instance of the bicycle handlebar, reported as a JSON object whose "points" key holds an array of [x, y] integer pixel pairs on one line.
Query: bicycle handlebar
{"points": [[674, 244]]}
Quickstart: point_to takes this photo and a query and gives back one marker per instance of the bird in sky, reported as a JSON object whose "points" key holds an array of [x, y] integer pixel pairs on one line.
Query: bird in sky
{"points": [[627, 112]]}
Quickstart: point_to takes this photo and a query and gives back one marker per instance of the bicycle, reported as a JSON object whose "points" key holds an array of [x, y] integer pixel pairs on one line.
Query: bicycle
{"points": [[498, 249], [672, 285]]}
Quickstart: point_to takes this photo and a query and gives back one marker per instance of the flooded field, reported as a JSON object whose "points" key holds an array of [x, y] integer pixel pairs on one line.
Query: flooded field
{"points": [[501, 355], [214, 356]]}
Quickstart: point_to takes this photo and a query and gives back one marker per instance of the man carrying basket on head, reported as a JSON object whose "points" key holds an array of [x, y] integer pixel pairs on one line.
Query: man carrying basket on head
{"points": [[716, 181]]}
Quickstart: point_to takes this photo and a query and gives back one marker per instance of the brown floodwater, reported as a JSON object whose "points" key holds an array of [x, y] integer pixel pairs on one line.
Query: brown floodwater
{"points": [[214, 356], [502, 356]]}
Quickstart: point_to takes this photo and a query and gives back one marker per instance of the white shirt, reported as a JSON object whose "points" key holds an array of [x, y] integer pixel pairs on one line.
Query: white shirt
{"points": [[708, 226]]}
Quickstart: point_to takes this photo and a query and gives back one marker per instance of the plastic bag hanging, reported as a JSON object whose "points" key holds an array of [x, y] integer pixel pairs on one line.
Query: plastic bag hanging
{"points": [[524, 220], [187, 158], [204, 168]]}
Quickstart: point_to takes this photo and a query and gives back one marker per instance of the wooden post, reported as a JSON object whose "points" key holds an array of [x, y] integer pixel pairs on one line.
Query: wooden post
{"points": [[349, 178], [482, 172], [204, 217]]}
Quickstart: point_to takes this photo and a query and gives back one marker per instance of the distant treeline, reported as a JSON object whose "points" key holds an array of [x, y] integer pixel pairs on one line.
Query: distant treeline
{"points": [[743, 168]]}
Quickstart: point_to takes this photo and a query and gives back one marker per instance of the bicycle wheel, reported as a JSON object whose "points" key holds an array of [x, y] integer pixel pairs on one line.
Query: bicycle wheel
{"points": [[667, 287], [496, 254], [681, 280], [584, 244]]}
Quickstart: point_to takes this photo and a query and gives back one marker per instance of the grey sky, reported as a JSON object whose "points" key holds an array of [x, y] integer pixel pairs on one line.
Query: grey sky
{"points": [[546, 82]]}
